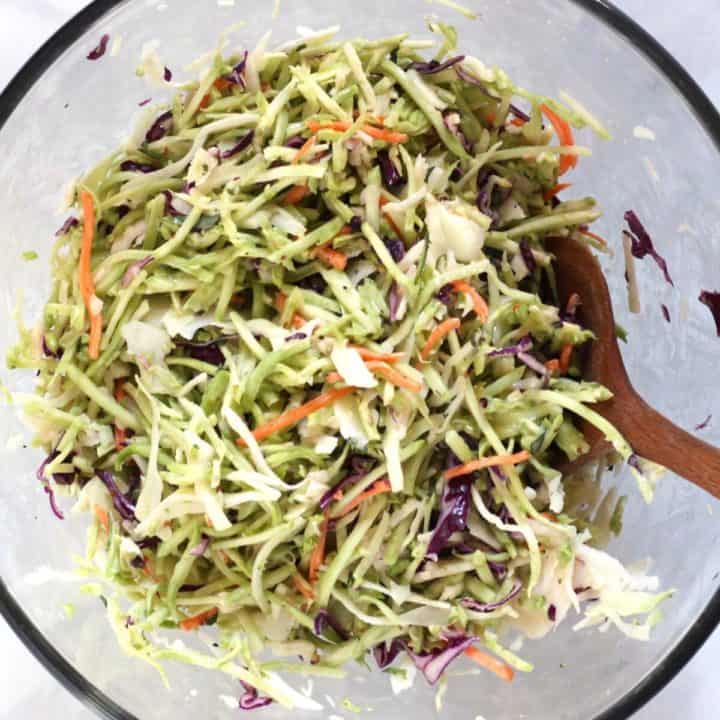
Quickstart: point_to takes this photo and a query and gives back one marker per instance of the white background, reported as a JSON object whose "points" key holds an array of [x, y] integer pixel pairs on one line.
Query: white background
{"points": [[689, 29]]}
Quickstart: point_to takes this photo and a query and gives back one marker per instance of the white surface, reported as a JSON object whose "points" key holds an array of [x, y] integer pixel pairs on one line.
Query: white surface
{"points": [[26, 690]]}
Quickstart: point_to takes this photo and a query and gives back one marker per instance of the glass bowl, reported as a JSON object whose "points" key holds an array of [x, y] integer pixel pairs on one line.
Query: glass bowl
{"points": [[63, 112]]}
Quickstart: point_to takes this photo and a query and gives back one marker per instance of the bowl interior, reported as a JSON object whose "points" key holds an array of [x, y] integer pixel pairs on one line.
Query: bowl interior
{"points": [[79, 110]]}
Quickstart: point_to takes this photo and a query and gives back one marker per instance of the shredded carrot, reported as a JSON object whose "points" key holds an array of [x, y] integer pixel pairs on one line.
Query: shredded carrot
{"points": [[120, 438], [304, 150], [389, 358], [437, 335], [347, 230], [387, 136], [204, 102], [565, 137], [280, 300], [393, 376], [103, 517], [379, 487], [119, 390], [317, 557], [501, 669], [553, 365], [384, 201], [479, 304], [491, 117], [565, 357], [294, 416], [85, 278], [553, 191], [333, 377], [223, 84], [378, 133], [303, 586], [297, 321], [595, 237], [330, 256], [486, 462], [148, 569], [518, 122], [295, 194], [194, 622]]}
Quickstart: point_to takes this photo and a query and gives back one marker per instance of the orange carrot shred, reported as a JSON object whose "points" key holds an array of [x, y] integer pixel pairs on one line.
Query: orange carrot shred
{"points": [[85, 278], [194, 622], [553, 365], [294, 416], [486, 462], [330, 256], [393, 376], [389, 358], [501, 669], [120, 438], [119, 390], [518, 122], [553, 191], [565, 357], [297, 321], [103, 517], [565, 137], [479, 304], [317, 557], [204, 102], [280, 300], [303, 586], [437, 335], [378, 133], [379, 487], [223, 84], [295, 194], [304, 150]]}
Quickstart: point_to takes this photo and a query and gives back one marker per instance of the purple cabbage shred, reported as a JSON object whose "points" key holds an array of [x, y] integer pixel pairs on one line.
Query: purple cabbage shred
{"points": [[67, 226], [445, 295], [454, 507], [385, 654], [552, 613], [433, 664], [518, 113], [125, 508], [295, 142], [201, 547], [712, 301], [208, 352], [97, 52], [482, 607], [296, 336], [242, 144], [133, 270], [642, 245], [237, 75], [167, 74], [665, 312], [53, 503], [250, 700], [132, 166], [433, 66], [356, 223], [144, 102], [160, 128], [390, 174], [324, 619], [47, 352], [395, 247], [523, 345], [704, 423]]}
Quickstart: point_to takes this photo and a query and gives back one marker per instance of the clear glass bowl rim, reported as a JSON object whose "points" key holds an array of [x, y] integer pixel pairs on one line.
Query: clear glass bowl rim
{"points": [[707, 116]]}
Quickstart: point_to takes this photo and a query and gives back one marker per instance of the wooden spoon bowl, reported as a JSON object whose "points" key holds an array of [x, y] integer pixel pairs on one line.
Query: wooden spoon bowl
{"points": [[651, 435]]}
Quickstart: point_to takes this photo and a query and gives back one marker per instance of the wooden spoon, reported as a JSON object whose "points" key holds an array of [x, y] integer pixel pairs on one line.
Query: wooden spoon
{"points": [[651, 435]]}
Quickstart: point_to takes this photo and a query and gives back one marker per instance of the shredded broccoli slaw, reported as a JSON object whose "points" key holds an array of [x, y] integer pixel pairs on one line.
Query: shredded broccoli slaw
{"points": [[304, 365]]}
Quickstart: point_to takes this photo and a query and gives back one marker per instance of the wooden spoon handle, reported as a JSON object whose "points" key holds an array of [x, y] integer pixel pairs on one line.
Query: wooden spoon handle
{"points": [[654, 437]]}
